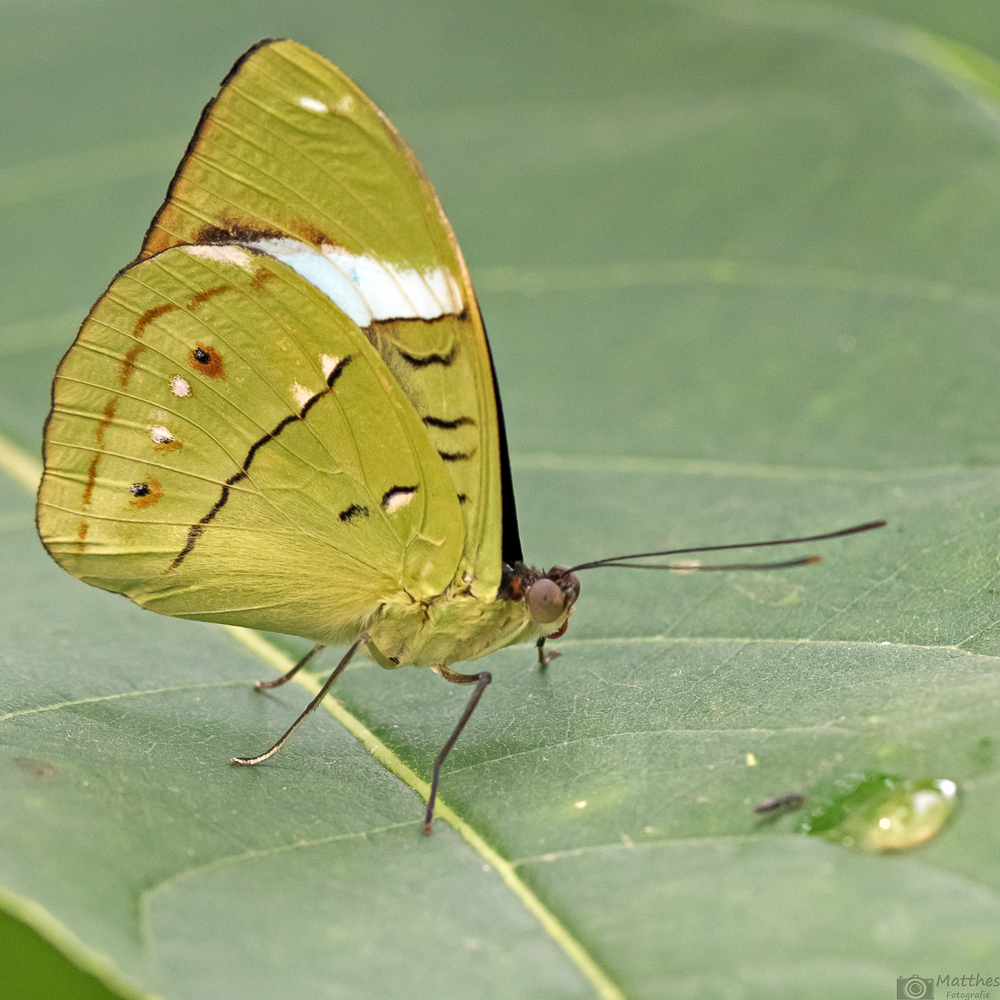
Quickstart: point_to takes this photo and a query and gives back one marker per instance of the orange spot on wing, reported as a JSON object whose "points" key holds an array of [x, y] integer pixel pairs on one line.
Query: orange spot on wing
{"points": [[109, 414], [102, 426], [157, 239], [165, 446], [81, 536], [212, 365], [260, 278], [151, 314], [128, 364], [155, 495], [201, 297], [307, 231], [88, 489]]}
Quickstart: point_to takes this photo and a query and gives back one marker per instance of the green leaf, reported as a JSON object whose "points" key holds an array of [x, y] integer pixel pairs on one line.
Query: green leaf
{"points": [[33, 968], [738, 266]]}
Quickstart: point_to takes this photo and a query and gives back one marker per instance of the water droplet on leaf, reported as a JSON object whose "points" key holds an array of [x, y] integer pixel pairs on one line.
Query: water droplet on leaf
{"points": [[875, 812]]}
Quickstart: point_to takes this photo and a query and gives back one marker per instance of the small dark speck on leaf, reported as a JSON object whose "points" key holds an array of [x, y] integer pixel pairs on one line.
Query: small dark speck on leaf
{"points": [[39, 768]]}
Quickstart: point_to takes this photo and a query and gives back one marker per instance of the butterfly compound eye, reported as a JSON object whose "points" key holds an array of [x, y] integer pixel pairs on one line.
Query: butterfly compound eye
{"points": [[545, 600], [568, 581]]}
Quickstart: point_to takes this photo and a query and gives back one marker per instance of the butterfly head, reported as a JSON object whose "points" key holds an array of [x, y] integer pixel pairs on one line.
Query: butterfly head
{"points": [[548, 595]]}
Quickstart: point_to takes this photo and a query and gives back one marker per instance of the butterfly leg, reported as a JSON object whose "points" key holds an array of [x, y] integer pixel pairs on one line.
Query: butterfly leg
{"points": [[337, 671], [544, 659], [482, 681], [284, 678]]}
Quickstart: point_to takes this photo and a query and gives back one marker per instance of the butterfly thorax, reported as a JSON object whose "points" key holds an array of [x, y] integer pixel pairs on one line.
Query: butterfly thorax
{"points": [[457, 625]]}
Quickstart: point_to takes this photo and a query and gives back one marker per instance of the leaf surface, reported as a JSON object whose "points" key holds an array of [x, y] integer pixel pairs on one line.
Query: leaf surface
{"points": [[738, 267]]}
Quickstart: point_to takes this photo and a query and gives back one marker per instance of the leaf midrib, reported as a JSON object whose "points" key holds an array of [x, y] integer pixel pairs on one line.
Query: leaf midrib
{"points": [[573, 949]]}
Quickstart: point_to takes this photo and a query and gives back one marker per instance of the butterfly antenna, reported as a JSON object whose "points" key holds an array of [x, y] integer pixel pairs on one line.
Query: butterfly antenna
{"points": [[625, 561]]}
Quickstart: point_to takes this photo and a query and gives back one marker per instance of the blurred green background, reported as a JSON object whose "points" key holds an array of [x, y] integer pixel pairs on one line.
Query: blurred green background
{"points": [[739, 264]]}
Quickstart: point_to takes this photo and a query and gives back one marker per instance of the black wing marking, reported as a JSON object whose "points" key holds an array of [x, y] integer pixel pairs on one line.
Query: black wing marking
{"points": [[198, 529]]}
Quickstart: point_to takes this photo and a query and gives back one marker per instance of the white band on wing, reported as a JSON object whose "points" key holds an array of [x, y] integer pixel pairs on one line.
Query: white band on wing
{"points": [[366, 288]]}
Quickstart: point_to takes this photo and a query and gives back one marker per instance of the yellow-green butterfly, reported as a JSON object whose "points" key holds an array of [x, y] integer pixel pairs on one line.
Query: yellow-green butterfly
{"points": [[284, 415]]}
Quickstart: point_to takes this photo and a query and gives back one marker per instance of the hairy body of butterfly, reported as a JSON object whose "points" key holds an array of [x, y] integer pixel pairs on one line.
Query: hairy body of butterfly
{"points": [[284, 415]]}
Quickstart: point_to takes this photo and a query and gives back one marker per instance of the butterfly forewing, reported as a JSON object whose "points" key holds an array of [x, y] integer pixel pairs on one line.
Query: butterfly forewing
{"points": [[293, 159], [226, 444]]}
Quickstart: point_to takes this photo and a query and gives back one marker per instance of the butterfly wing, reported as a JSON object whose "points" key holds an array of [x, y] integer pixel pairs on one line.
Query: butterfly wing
{"points": [[225, 444], [294, 159]]}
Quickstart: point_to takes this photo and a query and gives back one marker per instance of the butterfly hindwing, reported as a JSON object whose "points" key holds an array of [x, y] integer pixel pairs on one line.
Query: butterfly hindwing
{"points": [[225, 444], [294, 159]]}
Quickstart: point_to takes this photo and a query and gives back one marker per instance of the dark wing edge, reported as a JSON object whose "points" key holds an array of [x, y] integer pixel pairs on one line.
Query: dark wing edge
{"points": [[510, 545], [193, 141]]}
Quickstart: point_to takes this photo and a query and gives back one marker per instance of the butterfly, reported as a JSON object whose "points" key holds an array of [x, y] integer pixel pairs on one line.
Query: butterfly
{"points": [[284, 414]]}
